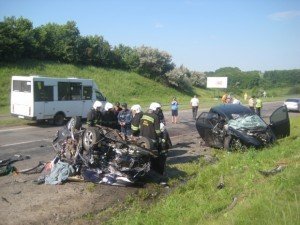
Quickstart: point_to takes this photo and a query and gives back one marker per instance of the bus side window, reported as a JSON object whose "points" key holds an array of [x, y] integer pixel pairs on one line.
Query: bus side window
{"points": [[42, 93], [75, 91], [63, 91], [87, 92], [39, 91]]}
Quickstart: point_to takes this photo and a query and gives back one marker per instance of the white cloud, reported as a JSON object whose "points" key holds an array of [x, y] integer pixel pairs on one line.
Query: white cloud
{"points": [[287, 15], [159, 25]]}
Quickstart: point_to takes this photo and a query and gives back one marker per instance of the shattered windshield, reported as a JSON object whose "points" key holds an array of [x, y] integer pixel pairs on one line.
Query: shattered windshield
{"points": [[247, 122]]}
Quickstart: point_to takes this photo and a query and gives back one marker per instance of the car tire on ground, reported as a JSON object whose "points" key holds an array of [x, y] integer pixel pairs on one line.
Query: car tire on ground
{"points": [[91, 137], [145, 143]]}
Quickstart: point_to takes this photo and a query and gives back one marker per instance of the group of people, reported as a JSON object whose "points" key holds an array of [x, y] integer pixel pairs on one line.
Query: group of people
{"points": [[133, 123], [254, 103], [229, 99]]}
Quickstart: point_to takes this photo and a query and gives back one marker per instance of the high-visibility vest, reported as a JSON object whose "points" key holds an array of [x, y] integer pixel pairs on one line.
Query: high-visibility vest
{"points": [[258, 103]]}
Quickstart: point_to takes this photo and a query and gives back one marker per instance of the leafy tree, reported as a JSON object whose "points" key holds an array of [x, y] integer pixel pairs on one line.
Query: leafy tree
{"points": [[16, 38], [152, 62], [198, 79], [95, 50], [125, 57], [58, 42], [180, 78]]}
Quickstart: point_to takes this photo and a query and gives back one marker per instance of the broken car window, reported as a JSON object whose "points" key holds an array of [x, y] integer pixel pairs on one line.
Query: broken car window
{"points": [[247, 122]]}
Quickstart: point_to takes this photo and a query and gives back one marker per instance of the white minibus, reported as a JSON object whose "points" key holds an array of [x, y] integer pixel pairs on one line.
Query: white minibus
{"points": [[55, 99]]}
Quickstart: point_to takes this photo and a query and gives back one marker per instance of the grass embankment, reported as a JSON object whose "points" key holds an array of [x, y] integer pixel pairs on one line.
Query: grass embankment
{"points": [[259, 200], [116, 85]]}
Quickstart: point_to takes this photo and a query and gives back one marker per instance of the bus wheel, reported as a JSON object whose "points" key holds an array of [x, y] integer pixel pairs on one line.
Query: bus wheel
{"points": [[59, 119]]}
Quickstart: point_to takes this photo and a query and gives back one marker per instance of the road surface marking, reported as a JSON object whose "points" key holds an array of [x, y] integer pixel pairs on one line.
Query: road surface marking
{"points": [[13, 129], [25, 142]]}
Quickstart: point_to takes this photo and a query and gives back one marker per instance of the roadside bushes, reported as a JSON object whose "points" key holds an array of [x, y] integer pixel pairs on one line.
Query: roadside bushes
{"points": [[294, 90]]}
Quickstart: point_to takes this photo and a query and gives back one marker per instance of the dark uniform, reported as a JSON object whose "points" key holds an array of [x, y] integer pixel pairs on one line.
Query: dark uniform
{"points": [[150, 128], [135, 124], [109, 119], [94, 118]]}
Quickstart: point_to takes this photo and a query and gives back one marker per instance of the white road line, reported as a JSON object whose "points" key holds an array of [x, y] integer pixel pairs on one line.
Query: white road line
{"points": [[13, 129], [25, 142]]}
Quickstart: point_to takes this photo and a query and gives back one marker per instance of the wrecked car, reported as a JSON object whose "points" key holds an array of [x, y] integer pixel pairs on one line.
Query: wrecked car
{"points": [[101, 155], [234, 126]]}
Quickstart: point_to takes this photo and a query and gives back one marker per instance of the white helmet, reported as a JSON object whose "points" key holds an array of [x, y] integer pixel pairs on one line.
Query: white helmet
{"points": [[97, 104], [136, 108], [154, 105], [108, 106]]}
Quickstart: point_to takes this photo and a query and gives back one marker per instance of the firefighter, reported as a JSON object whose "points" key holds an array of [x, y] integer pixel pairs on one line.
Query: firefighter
{"points": [[137, 114], [150, 128], [94, 116], [109, 118]]}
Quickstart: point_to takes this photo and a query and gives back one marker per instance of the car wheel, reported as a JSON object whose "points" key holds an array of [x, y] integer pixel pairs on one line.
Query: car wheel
{"points": [[233, 144], [59, 119], [74, 123], [91, 137]]}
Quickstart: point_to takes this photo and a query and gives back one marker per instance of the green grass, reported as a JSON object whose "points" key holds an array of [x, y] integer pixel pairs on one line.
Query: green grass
{"points": [[116, 85], [260, 200]]}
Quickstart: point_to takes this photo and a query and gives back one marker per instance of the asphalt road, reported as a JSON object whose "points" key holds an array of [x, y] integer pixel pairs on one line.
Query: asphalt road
{"points": [[35, 140]]}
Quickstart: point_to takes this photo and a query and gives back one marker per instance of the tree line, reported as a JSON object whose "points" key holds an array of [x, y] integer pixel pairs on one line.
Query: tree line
{"points": [[63, 43]]}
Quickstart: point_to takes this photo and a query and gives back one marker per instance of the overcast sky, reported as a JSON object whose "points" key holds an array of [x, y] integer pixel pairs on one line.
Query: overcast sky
{"points": [[202, 35]]}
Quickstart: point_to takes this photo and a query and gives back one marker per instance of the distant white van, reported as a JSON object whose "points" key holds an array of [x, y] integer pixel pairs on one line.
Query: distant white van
{"points": [[46, 98]]}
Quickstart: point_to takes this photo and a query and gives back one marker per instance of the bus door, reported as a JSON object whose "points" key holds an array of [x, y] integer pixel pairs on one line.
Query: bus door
{"points": [[87, 99], [70, 98], [44, 107]]}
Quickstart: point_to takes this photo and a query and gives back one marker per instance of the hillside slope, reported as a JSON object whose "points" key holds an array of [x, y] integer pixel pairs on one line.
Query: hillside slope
{"points": [[116, 85]]}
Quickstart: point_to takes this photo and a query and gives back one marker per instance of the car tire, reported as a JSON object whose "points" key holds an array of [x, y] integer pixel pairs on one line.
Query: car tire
{"points": [[145, 143], [233, 144], [91, 137], [75, 123]]}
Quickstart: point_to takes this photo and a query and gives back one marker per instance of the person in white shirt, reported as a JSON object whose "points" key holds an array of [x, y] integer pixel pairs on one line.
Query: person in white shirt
{"points": [[235, 101], [195, 105]]}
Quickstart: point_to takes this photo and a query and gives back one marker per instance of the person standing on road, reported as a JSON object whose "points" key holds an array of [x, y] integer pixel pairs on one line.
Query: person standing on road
{"points": [[124, 119], [195, 105], [174, 108], [258, 106], [150, 128], [251, 103], [245, 96]]}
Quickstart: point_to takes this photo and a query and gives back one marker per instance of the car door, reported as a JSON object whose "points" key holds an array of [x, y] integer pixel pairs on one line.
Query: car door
{"points": [[205, 124], [202, 124], [280, 122]]}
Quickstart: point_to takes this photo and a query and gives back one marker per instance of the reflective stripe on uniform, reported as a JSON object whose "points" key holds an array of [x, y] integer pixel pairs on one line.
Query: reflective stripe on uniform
{"points": [[149, 118], [135, 128]]}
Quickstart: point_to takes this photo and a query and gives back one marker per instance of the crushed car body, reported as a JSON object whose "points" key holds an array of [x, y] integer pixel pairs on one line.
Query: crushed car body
{"points": [[101, 155], [234, 126]]}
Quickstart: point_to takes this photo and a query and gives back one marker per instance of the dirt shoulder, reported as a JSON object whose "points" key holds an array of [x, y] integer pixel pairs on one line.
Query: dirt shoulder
{"points": [[24, 202]]}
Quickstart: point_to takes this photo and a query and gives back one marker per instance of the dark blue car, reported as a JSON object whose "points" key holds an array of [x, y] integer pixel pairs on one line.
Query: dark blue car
{"points": [[234, 126]]}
